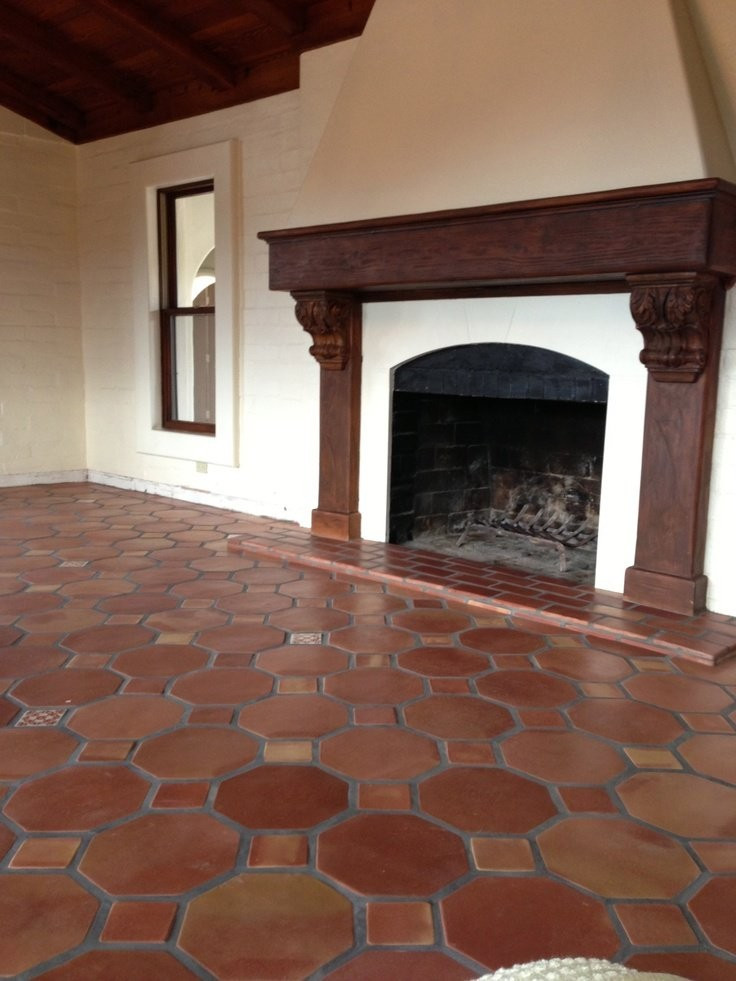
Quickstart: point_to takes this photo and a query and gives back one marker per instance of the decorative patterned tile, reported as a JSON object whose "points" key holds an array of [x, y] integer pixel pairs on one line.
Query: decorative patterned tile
{"points": [[40, 717], [305, 637]]}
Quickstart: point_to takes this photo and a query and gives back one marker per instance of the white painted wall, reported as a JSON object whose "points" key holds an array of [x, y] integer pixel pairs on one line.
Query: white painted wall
{"points": [[41, 378]]}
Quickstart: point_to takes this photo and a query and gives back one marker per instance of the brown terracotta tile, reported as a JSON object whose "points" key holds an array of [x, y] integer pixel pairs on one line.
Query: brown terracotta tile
{"points": [[293, 716], [181, 794], [359, 603], [274, 851], [313, 922], [713, 906], [166, 853], [211, 715], [196, 753], [360, 852], [409, 965], [685, 804], [562, 757], [31, 929], [379, 753], [20, 662], [502, 641], [718, 856], [241, 640], [593, 799], [24, 752], [502, 854], [107, 640], [132, 717], [227, 686], [45, 853], [645, 757], [711, 755], [526, 688], [458, 717], [160, 660], [584, 664], [309, 660], [372, 640], [626, 721], [443, 661], [120, 965], [136, 922], [288, 751], [67, 686], [106, 751], [653, 925], [377, 686], [703, 966], [479, 752], [406, 924], [678, 694], [564, 920], [384, 797], [282, 796]]}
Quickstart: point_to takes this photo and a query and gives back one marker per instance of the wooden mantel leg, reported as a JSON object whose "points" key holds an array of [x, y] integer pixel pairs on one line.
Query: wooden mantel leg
{"points": [[334, 321], [681, 319]]}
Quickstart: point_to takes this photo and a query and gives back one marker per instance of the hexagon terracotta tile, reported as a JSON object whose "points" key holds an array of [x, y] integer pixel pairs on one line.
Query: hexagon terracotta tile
{"points": [[312, 921]]}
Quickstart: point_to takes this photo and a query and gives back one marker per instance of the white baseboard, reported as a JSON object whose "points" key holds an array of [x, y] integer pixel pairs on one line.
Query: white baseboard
{"points": [[48, 477]]}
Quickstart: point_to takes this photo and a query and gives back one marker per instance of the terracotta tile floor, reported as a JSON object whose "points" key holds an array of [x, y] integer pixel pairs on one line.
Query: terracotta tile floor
{"points": [[218, 763]]}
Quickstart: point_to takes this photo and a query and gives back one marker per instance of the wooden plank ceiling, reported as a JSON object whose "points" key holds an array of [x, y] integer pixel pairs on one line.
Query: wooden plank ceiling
{"points": [[88, 69]]}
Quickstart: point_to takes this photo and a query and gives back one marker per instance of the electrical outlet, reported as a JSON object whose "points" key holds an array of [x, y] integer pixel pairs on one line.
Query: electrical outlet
{"points": [[201, 467]]}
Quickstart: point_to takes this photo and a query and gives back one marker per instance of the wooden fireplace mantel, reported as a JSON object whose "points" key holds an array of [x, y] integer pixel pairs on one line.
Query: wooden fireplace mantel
{"points": [[672, 246]]}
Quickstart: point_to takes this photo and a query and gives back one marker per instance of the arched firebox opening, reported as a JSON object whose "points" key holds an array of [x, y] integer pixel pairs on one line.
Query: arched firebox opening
{"points": [[497, 453]]}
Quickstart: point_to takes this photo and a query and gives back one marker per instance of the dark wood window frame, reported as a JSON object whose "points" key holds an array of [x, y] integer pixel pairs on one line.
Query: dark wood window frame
{"points": [[169, 310]]}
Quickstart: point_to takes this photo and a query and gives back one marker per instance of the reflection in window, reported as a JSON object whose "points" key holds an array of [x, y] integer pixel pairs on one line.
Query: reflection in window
{"points": [[186, 226]]}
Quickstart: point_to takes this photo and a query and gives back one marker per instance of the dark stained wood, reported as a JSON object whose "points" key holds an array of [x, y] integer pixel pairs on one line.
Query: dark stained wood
{"points": [[89, 69], [672, 245], [586, 238], [197, 57]]}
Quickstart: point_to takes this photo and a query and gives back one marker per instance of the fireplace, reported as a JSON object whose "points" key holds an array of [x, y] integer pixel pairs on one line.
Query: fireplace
{"points": [[672, 247], [496, 453]]}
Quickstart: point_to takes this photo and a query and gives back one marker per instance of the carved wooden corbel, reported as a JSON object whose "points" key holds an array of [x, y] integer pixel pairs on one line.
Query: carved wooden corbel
{"points": [[326, 317], [673, 314]]}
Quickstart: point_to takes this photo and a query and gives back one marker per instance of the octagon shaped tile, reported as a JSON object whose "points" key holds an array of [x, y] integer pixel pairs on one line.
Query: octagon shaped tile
{"points": [[184, 621], [687, 805], [160, 660], [17, 606], [526, 688], [458, 717], [67, 686], [282, 796], [374, 686], [253, 603], [83, 797], [409, 965], [20, 662], [7, 711], [432, 621], [223, 686], [195, 753], [486, 799], [27, 751], [303, 659], [128, 717], [562, 757], [713, 907], [288, 927], [502, 640], [322, 588], [41, 916], [306, 618], [482, 921], [392, 855], [7, 838], [290, 716], [164, 854], [265, 574], [584, 664], [59, 621], [444, 662], [120, 965], [360, 603], [139, 603], [375, 753], [241, 639], [616, 858], [9, 635], [678, 694], [625, 721], [712, 755], [704, 967], [366, 639], [108, 639]]}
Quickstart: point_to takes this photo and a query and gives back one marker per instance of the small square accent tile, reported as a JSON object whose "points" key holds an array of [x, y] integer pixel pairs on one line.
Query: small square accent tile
{"points": [[655, 925], [380, 797], [654, 759], [275, 851], [600, 689], [181, 794], [703, 722], [99, 750], [123, 619], [89, 661], [502, 854], [173, 638], [41, 717], [139, 922], [374, 715], [436, 640], [565, 640], [544, 718], [470, 752], [305, 637], [296, 686], [45, 853], [449, 686], [400, 923], [146, 686], [372, 660], [651, 664], [594, 799], [718, 856], [506, 661], [288, 751]]}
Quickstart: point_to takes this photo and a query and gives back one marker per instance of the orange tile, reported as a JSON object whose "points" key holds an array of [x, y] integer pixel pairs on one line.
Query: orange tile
{"points": [[654, 925], [502, 854], [400, 923], [273, 851], [45, 853], [138, 922]]}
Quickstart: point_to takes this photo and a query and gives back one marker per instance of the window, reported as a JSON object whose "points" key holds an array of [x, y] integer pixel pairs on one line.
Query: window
{"points": [[186, 237], [193, 196]]}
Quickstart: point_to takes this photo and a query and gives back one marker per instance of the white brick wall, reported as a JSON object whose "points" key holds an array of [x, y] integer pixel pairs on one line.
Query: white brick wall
{"points": [[41, 378]]}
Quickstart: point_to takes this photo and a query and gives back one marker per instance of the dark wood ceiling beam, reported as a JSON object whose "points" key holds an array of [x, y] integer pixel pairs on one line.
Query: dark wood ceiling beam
{"points": [[200, 61], [285, 15], [43, 107], [60, 50]]}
